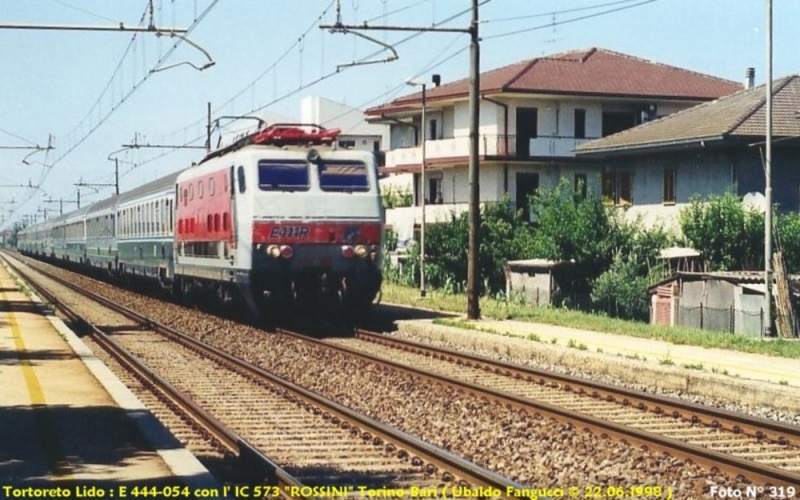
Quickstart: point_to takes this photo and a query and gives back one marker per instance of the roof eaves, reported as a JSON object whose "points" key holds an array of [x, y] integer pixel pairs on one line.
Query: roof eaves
{"points": [[627, 148]]}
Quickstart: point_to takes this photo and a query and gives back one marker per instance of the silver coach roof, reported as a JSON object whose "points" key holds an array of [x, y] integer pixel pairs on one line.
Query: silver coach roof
{"points": [[157, 186], [103, 206]]}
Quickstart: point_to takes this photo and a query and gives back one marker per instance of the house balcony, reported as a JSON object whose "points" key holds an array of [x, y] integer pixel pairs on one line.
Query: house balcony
{"points": [[490, 146]]}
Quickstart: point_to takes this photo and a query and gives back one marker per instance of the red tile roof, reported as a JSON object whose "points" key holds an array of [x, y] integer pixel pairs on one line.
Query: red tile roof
{"points": [[581, 72]]}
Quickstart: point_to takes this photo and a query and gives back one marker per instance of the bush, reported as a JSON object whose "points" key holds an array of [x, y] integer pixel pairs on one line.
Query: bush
{"points": [[504, 236], [729, 236]]}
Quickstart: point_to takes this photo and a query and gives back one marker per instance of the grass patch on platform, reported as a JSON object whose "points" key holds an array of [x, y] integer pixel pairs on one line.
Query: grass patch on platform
{"points": [[492, 308]]}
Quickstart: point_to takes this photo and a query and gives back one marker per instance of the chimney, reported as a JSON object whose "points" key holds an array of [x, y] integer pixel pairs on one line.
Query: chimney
{"points": [[749, 78], [437, 80]]}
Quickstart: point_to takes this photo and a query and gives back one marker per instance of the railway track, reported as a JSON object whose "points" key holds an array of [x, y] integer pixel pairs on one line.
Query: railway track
{"points": [[289, 436], [759, 450]]}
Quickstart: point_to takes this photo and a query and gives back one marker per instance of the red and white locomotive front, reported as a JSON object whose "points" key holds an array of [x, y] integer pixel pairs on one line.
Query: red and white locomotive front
{"points": [[309, 220]]}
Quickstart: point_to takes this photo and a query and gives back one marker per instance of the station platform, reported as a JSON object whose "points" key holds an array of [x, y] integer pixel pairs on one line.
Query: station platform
{"points": [[67, 422], [746, 378]]}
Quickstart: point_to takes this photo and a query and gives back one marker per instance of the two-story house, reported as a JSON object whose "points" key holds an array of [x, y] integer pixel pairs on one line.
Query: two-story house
{"points": [[711, 149], [533, 114]]}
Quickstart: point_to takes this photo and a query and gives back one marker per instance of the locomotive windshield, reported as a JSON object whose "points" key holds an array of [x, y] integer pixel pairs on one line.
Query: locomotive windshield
{"points": [[283, 175], [343, 176]]}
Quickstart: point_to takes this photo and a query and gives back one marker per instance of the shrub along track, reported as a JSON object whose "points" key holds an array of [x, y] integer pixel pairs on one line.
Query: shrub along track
{"points": [[531, 448], [289, 436]]}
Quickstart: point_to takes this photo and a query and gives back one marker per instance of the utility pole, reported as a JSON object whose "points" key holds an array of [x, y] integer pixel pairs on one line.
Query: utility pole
{"points": [[473, 276], [94, 185], [768, 185], [61, 202]]}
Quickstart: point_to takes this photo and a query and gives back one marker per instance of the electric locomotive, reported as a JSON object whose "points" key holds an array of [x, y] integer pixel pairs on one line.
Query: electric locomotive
{"points": [[281, 217]]}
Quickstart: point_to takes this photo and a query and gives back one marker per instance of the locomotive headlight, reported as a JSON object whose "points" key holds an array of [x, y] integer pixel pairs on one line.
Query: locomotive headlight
{"points": [[361, 251], [347, 252], [274, 251], [286, 251]]}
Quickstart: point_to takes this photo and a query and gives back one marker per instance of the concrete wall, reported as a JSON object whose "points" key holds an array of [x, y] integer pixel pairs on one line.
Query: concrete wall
{"points": [[533, 284], [706, 304], [724, 305], [748, 313]]}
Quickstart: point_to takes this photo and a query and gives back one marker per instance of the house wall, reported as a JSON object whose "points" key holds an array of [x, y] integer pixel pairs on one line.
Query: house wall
{"points": [[491, 119], [703, 172], [694, 174], [331, 114], [785, 175]]}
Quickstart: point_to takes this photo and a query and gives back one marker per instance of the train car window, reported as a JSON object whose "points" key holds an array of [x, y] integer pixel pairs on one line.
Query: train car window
{"points": [[226, 221], [191, 192], [216, 223], [200, 189], [184, 196], [211, 187], [209, 223], [240, 178], [226, 180], [283, 175], [343, 176]]}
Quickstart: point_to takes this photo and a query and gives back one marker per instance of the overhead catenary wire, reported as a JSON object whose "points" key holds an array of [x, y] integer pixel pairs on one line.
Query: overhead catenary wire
{"points": [[555, 12], [567, 21], [49, 167]]}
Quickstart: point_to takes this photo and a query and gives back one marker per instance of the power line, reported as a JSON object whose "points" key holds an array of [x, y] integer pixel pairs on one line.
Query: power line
{"points": [[17, 137], [567, 21], [556, 12], [65, 4]]}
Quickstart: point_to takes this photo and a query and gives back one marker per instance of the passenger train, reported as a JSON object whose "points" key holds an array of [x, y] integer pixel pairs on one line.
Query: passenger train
{"points": [[280, 217]]}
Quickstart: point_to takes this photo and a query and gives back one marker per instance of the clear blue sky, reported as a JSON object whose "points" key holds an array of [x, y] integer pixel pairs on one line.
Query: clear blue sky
{"points": [[52, 82]]}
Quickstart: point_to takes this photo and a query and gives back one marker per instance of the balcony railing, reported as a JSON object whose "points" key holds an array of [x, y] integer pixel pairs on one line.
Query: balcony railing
{"points": [[489, 145]]}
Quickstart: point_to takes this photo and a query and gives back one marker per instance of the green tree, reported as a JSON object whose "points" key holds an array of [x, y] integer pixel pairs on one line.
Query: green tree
{"points": [[729, 235], [504, 236], [622, 289], [575, 230], [787, 232]]}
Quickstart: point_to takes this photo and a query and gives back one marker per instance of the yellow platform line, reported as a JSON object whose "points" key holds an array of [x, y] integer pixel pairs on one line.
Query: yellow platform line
{"points": [[44, 420]]}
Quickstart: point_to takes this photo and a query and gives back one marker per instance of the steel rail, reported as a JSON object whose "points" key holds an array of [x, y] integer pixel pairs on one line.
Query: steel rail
{"points": [[759, 428], [254, 462], [395, 441], [735, 466]]}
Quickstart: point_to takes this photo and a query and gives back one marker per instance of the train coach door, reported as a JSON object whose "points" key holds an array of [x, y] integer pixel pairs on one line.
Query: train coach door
{"points": [[230, 187]]}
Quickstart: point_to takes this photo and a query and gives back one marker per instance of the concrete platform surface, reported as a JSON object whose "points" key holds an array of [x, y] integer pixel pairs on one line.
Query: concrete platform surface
{"points": [[66, 420]]}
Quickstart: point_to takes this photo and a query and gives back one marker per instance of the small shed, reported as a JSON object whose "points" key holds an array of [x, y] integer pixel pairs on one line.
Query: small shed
{"points": [[534, 279], [729, 301]]}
